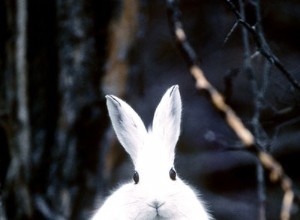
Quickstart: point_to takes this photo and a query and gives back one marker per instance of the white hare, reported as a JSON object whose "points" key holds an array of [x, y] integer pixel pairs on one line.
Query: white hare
{"points": [[156, 191]]}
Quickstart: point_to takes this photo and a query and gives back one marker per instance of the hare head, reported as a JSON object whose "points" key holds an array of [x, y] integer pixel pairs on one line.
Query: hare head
{"points": [[156, 191]]}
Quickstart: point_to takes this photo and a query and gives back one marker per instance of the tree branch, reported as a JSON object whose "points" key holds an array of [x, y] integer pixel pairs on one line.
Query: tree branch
{"points": [[276, 171], [261, 43], [258, 131]]}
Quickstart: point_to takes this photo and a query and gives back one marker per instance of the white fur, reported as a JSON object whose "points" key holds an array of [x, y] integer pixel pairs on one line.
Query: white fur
{"points": [[153, 155]]}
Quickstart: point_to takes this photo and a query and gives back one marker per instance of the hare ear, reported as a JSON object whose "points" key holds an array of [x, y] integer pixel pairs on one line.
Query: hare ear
{"points": [[167, 118], [128, 126]]}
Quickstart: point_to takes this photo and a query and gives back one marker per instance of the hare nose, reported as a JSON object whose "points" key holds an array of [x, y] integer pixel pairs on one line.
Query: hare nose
{"points": [[156, 204]]}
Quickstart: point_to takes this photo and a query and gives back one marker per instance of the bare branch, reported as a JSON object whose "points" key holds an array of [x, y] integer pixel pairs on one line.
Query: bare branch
{"points": [[258, 131], [201, 82], [276, 171], [234, 27], [262, 45]]}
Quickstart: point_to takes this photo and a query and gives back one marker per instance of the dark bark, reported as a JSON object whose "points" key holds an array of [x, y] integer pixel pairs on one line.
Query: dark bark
{"points": [[66, 110]]}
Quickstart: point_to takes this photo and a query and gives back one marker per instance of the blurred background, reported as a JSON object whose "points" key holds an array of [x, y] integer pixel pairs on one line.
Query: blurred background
{"points": [[58, 154]]}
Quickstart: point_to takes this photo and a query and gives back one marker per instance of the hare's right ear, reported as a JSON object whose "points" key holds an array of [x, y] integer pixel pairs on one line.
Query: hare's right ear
{"points": [[127, 124], [167, 119]]}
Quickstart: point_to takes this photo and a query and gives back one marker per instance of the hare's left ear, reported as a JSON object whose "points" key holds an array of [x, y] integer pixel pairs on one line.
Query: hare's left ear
{"points": [[127, 124], [167, 118]]}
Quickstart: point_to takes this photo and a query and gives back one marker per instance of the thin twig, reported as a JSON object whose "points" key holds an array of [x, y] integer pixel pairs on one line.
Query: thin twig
{"points": [[276, 171], [234, 27], [283, 125]]}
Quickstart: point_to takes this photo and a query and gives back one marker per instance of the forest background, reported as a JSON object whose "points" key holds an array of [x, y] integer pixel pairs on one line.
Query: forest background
{"points": [[58, 154]]}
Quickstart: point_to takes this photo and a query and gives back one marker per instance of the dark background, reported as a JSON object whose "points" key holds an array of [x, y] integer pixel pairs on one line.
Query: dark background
{"points": [[77, 51]]}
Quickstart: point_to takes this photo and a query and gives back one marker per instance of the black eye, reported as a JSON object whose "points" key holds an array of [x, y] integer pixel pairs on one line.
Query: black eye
{"points": [[136, 177], [172, 174]]}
